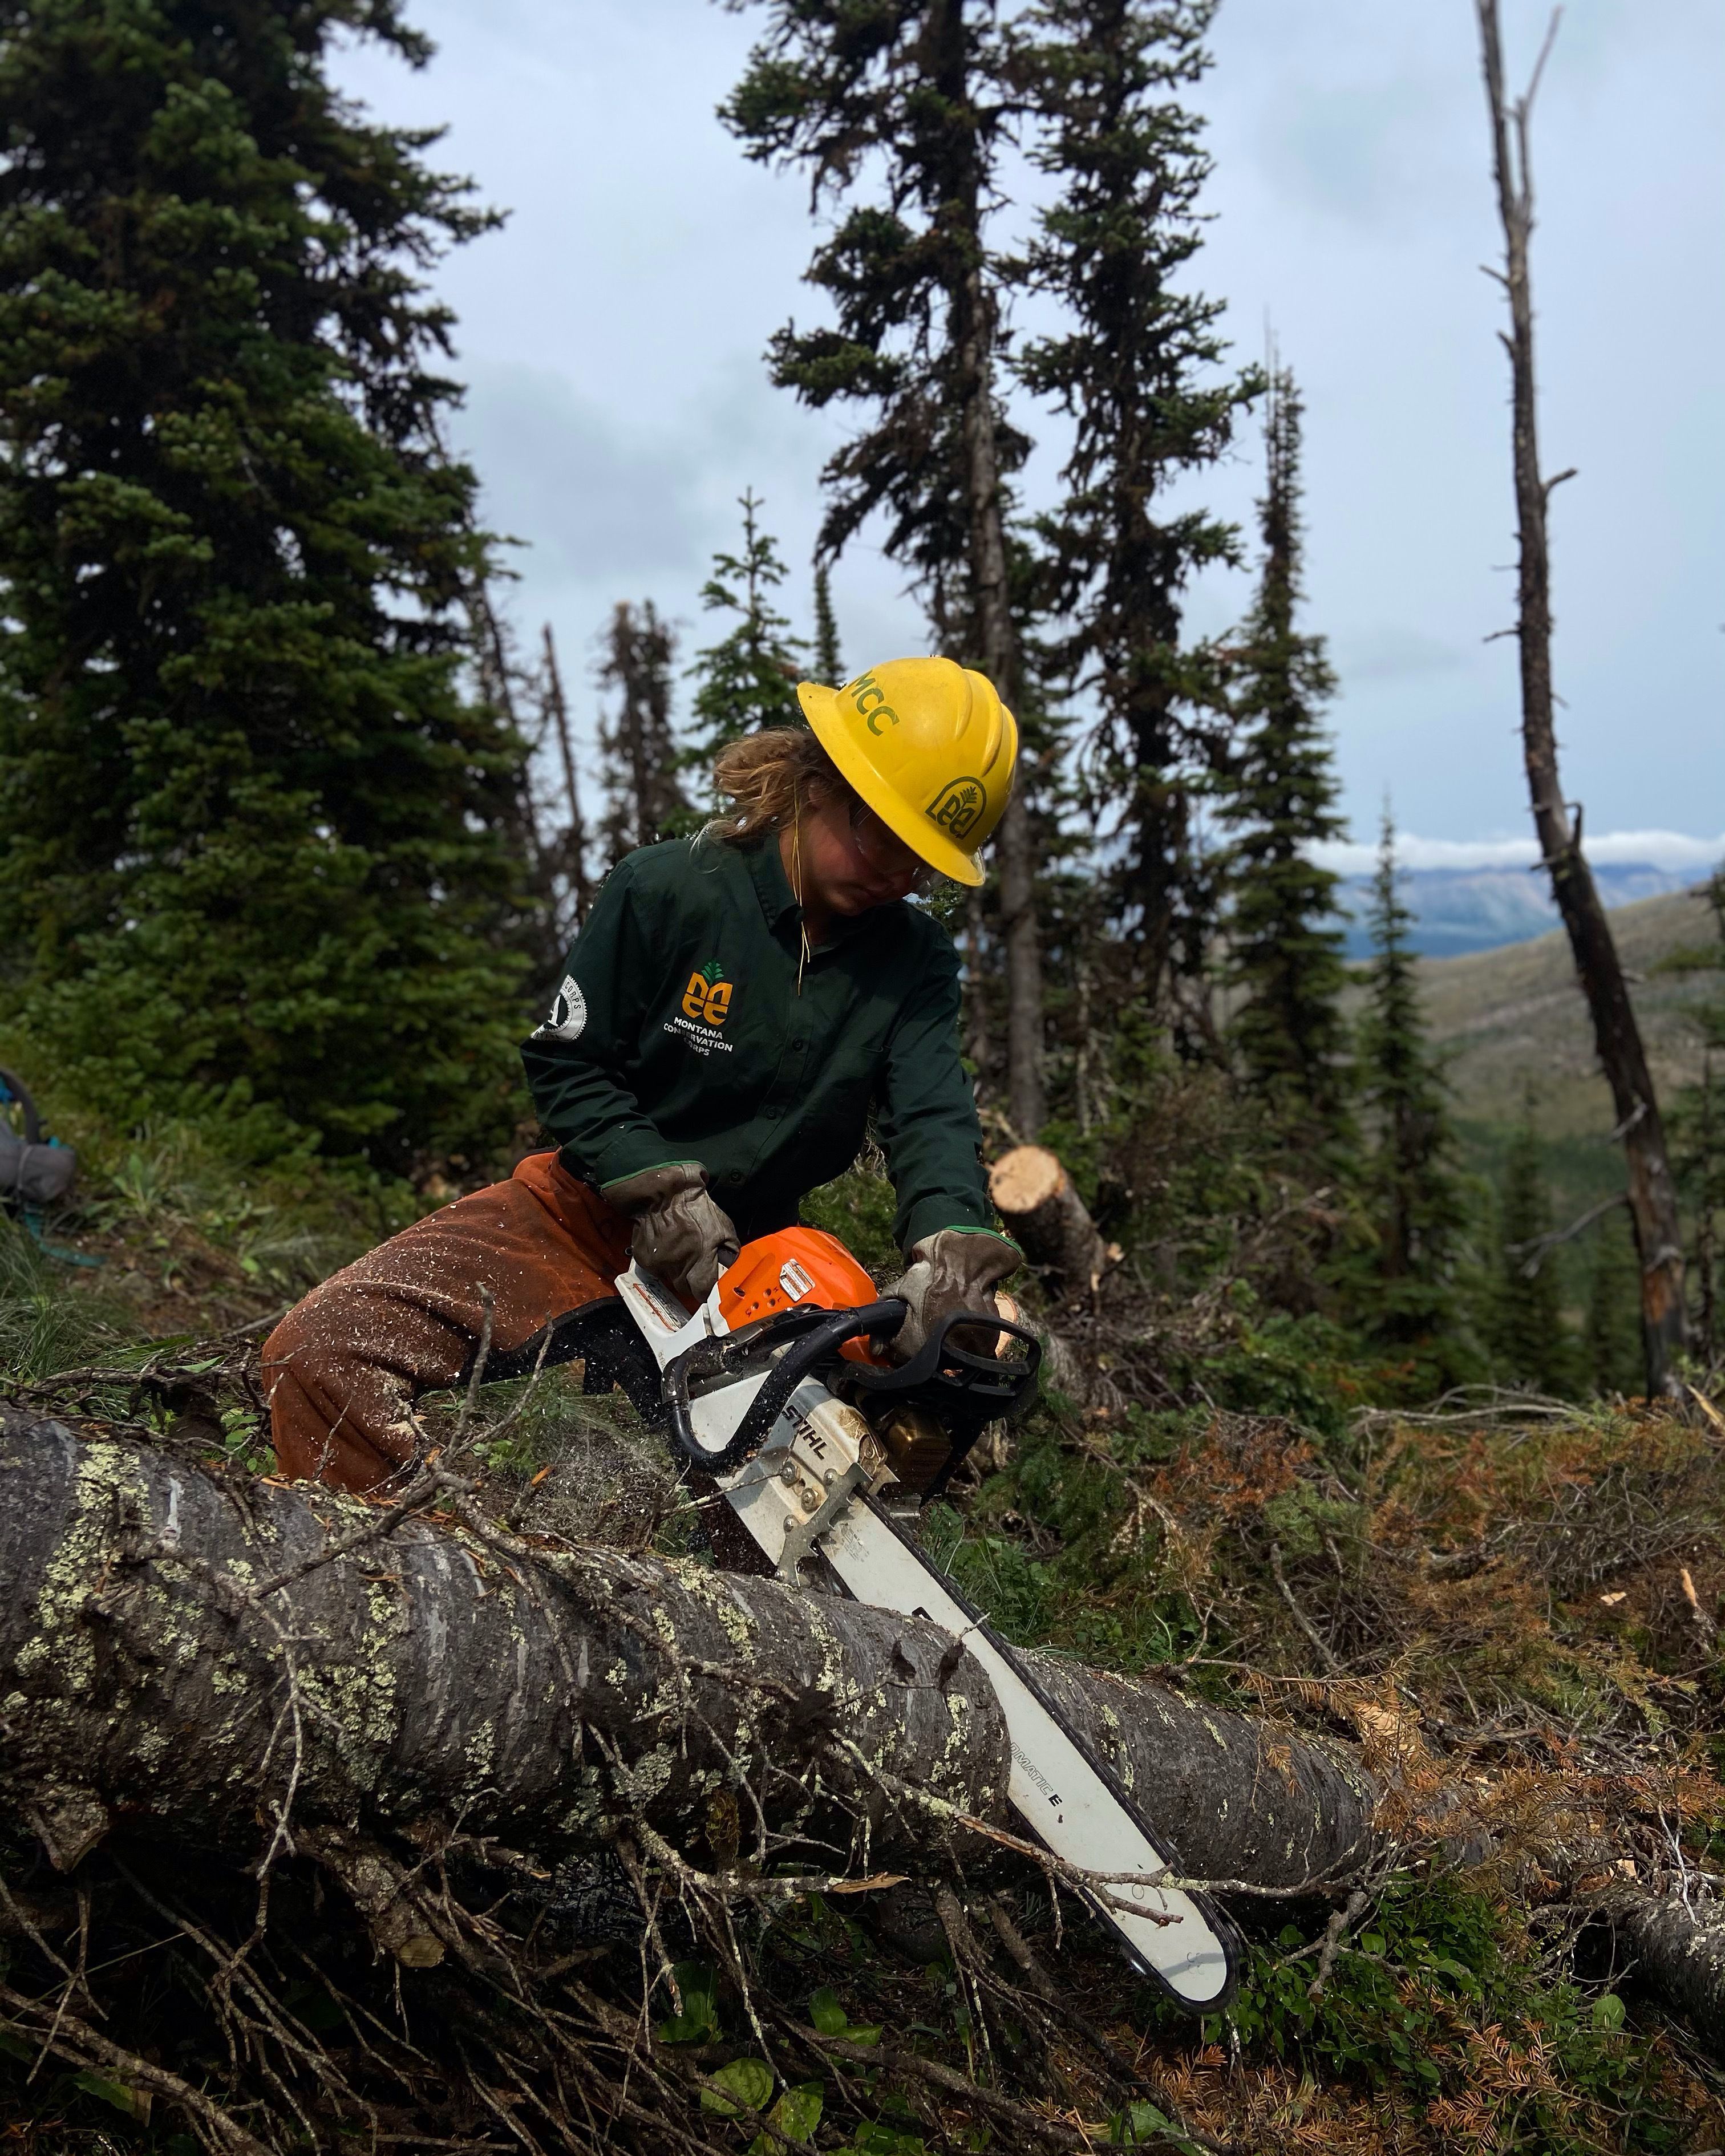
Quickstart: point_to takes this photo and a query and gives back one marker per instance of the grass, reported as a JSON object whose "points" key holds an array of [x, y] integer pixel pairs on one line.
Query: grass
{"points": [[43, 1325]]}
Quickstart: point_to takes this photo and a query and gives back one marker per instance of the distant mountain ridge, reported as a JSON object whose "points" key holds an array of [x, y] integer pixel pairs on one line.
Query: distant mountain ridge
{"points": [[1459, 910], [1514, 1017]]}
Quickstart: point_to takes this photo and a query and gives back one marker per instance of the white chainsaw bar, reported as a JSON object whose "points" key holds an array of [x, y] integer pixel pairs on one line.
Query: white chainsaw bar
{"points": [[813, 1483]]}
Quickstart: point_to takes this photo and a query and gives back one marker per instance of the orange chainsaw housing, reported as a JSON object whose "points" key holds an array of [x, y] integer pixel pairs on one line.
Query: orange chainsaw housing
{"points": [[796, 1266]]}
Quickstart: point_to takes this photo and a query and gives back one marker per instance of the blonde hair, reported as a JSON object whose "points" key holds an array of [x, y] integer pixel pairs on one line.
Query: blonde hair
{"points": [[768, 778]]}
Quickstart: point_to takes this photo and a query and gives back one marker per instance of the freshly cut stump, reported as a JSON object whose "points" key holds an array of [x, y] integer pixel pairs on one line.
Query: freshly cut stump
{"points": [[1034, 1195]]}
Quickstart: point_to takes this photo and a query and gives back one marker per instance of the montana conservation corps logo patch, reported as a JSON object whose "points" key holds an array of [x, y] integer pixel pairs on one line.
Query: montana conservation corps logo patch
{"points": [[705, 1006], [708, 994], [957, 805]]}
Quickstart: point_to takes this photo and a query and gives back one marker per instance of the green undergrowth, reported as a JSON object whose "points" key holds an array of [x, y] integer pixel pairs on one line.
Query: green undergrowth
{"points": [[43, 1325], [1433, 2023], [1435, 1999]]}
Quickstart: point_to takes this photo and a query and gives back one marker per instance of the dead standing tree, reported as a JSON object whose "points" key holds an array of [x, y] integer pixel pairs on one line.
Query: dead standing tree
{"points": [[1617, 1036]]}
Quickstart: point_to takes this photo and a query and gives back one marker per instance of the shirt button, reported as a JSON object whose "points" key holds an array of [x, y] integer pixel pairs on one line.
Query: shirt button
{"points": [[773, 1115], [799, 1043], [734, 1178]]}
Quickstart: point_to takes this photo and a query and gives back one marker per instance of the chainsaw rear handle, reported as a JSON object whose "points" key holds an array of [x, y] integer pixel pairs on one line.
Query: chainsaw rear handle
{"points": [[823, 1333]]}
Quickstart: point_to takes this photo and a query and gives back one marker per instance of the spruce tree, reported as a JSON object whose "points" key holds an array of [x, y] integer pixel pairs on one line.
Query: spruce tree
{"points": [[747, 679], [1284, 961], [252, 829], [568, 849], [1412, 1184], [644, 801], [1530, 1339], [1137, 369], [898, 109], [827, 665], [1698, 1131], [1612, 1343]]}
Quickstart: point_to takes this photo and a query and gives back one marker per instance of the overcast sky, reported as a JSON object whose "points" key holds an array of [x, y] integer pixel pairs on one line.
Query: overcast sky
{"points": [[610, 336]]}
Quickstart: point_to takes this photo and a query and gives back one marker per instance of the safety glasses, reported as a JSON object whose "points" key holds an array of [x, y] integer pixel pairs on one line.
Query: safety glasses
{"points": [[886, 854]]}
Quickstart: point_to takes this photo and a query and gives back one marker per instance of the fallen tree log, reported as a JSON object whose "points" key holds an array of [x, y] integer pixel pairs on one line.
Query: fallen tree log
{"points": [[208, 1659], [1679, 1953], [150, 1665]]}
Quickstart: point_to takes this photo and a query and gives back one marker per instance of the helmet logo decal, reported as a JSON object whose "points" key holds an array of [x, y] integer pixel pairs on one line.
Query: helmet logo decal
{"points": [[957, 805], [869, 699], [708, 994]]}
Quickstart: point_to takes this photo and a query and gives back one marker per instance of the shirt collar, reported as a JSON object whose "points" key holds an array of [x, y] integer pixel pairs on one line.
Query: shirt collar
{"points": [[772, 886], [779, 901]]}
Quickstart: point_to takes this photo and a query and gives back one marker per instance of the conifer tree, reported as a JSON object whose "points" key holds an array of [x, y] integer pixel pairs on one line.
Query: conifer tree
{"points": [[1698, 1132], [644, 801], [1284, 946], [251, 830], [910, 91], [747, 679], [1613, 1339], [1412, 1184], [827, 665], [1137, 370], [1530, 1341], [569, 849]]}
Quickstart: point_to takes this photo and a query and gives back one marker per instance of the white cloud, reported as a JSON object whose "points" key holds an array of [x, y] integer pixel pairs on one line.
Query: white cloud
{"points": [[1391, 653], [1660, 850], [613, 332]]}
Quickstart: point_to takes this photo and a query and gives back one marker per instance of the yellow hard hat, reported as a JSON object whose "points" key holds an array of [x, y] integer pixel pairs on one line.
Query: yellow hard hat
{"points": [[929, 747]]}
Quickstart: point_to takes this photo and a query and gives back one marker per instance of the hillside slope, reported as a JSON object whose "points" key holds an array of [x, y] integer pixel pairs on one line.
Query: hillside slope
{"points": [[1515, 1015]]}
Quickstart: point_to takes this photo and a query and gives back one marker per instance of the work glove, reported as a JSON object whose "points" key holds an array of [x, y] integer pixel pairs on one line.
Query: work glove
{"points": [[955, 1269], [683, 1235]]}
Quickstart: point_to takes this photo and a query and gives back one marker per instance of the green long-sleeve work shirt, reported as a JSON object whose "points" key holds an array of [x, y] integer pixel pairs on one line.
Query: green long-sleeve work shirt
{"points": [[679, 1034]]}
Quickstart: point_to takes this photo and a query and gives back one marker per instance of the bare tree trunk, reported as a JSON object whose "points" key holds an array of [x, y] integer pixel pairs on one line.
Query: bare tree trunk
{"points": [[1617, 1037], [979, 1038], [1020, 930], [997, 655], [575, 838]]}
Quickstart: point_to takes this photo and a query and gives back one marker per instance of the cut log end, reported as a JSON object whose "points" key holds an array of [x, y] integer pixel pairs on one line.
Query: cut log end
{"points": [[1025, 1178], [1034, 1195]]}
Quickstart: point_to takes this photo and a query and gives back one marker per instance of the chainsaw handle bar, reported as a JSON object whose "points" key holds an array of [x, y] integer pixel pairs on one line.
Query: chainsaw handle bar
{"points": [[967, 1388], [823, 1333]]}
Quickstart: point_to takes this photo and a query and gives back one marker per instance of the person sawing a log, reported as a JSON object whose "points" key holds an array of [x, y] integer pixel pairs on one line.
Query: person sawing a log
{"points": [[735, 1009]]}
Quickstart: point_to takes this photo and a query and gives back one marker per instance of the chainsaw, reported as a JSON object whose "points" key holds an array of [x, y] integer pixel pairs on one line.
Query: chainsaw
{"points": [[776, 1389]]}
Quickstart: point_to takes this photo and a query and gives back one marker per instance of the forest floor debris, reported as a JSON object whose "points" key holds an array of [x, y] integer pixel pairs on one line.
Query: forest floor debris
{"points": [[1507, 1636]]}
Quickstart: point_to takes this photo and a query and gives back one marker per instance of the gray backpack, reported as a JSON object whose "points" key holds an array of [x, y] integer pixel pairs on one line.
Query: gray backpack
{"points": [[33, 1173]]}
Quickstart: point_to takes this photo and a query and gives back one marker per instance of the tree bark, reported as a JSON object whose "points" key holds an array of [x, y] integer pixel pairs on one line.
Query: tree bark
{"points": [[1679, 1954], [1033, 1194], [180, 1653], [428, 1675], [974, 326], [1617, 1036]]}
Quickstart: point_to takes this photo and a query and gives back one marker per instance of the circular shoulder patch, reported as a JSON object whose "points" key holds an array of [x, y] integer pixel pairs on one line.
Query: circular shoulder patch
{"points": [[567, 1016]]}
